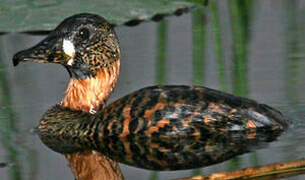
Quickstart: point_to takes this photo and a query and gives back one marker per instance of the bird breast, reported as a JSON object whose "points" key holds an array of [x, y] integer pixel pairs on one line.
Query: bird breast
{"points": [[89, 94]]}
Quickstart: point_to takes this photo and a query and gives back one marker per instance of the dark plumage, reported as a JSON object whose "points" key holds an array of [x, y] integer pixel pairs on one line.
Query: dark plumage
{"points": [[86, 45], [160, 127], [90, 42], [156, 127]]}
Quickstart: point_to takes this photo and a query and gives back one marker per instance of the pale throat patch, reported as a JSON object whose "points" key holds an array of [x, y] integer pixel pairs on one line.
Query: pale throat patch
{"points": [[69, 49]]}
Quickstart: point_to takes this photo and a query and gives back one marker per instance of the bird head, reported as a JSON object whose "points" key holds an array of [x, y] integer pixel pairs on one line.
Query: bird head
{"points": [[83, 43]]}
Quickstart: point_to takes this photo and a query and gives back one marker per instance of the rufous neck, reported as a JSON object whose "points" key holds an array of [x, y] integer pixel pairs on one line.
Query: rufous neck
{"points": [[91, 93]]}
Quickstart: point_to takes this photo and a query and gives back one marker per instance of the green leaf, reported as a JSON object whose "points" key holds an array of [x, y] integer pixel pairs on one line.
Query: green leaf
{"points": [[44, 15]]}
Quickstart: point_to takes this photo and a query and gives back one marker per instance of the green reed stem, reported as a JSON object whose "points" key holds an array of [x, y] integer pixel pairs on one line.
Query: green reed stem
{"points": [[161, 51], [161, 65], [218, 45], [8, 126], [198, 33], [154, 175], [240, 37], [240, 12], [234, 163], [293, 61]]}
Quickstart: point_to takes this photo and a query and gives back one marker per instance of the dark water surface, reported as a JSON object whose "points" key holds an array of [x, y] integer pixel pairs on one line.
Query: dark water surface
{"points": [[268, 66]]}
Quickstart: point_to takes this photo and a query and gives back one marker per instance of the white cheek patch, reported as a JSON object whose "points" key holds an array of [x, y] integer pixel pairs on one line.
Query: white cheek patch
{"points": [[68, 47]]}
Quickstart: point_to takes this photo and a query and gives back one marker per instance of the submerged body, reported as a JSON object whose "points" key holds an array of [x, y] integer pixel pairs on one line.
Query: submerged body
{"points": [[156, 127]]}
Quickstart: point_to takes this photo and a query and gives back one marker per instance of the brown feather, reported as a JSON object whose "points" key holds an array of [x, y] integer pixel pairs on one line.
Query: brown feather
{"points": [[90, 94], [83, 94], [91, 165]]}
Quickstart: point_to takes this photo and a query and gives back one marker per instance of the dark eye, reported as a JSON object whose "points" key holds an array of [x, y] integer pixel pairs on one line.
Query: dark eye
{"points": [[84, 34]]}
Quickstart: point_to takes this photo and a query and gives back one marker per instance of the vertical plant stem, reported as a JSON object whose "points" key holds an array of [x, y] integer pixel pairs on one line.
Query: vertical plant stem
{"points": [[239, 64], [239, 28], [218, 45], [234, 164], [161, 52], [199, 31], [154, 175], [196, 172], [8, 126], [161, 65], [198, 35], [240, 12], [292, 62]]}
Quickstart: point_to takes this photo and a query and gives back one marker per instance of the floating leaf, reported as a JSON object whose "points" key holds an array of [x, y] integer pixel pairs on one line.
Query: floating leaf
{"points": [[44, 15]]}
